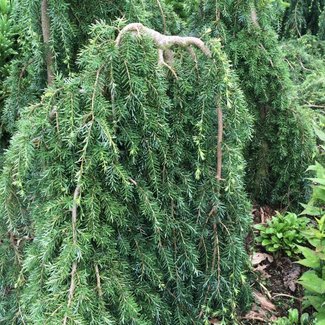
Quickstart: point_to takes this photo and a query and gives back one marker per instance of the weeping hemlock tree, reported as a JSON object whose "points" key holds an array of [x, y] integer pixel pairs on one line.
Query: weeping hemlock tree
{"points": [[122, 190], [283, 143]]}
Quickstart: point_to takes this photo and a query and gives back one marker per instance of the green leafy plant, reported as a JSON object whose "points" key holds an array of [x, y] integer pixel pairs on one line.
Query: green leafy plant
{"points": [[284, 232], [313, 280], [293, 318]]}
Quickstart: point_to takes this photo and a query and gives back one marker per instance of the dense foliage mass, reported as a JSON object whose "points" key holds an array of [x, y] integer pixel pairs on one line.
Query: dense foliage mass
{"points": [[302, 17], [283, 144], [306, 57], [52, 33]]}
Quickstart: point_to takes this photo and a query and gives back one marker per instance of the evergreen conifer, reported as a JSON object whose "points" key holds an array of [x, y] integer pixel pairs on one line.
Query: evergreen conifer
{"points": [[117, 204]]}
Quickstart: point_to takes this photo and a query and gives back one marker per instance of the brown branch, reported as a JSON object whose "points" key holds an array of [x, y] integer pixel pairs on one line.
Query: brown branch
{"points": [[74, 214], [215, 257], [161, 61], [216, 253], [99, 287], [46, 39], [163, 42], [254, 17], [219, 146], [24, 68], [74, 239], [264, 49], [16, 244], [216, 249], [13, 242]]}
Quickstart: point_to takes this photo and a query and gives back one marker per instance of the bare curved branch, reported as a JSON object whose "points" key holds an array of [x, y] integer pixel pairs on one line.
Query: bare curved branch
{"points": [[163, 42]]}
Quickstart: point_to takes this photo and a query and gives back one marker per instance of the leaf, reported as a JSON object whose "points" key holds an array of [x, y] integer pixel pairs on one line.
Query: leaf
{"points": [[257, 258], [259, 227], [320, 134], [312, 282], [270, 230], [293, 315], [320, 317], [315, 301], [311, 210], [320, 181], [311, 259], [266, 242], [290, 279], [261, 269]]}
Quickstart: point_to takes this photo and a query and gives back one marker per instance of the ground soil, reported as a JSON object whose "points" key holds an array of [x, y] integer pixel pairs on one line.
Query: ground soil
{"points": [[275, 280]]}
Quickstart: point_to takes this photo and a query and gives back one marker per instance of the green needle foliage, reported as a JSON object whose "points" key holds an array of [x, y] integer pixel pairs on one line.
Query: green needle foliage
{"points": [[306, 58], [69, 22], [302, 17], [110, 198], [7, 51], [283, 145]]}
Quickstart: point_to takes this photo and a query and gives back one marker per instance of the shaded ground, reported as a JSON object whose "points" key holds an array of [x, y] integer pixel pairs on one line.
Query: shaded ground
{"points": [[275, 286]]}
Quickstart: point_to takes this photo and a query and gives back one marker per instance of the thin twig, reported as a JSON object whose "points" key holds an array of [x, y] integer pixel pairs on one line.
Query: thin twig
{"points": [[285, 295], [162, 15], [161, 61], [74, 215], [315, 106], [99, 287], [216, 253], [254, 17], [219, 146]]}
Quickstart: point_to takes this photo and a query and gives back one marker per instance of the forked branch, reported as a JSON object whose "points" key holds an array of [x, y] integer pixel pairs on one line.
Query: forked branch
{"points": [[163, 42]]}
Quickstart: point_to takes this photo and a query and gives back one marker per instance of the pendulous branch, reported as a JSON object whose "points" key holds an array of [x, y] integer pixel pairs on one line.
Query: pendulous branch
{"points": [[74, 239], [219, 146], [46, 39]]}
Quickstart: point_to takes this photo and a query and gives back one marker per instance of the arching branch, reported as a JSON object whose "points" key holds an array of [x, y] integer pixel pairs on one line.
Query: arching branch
{"points": [[163, 42]]}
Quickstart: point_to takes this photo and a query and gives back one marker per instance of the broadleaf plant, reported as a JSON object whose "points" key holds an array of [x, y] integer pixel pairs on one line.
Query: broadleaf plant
{"points": [[284, 232], [313, 280]]}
